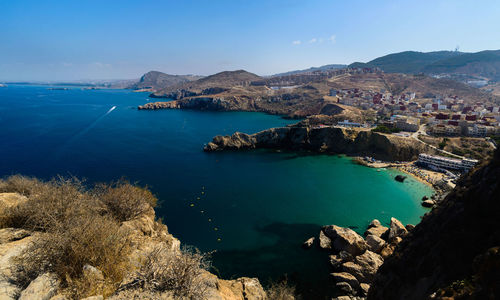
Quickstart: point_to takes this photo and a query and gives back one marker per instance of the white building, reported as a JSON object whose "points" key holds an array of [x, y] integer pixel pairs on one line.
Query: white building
{"points": [[441, 162]]}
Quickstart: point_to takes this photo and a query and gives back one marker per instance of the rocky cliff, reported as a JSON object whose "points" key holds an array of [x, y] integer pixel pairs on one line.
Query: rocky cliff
{"points": [[454, 253], [348, 141]]}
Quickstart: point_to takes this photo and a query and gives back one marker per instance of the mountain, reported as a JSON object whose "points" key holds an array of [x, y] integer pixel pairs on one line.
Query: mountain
{"points": [[454, 253], [406, 62], [155, 80], [312, 69], [484, 64], [217, 82], [465, 67]]}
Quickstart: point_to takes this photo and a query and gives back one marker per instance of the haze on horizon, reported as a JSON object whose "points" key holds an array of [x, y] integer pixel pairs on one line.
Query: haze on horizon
{"points": [[75, 40]]}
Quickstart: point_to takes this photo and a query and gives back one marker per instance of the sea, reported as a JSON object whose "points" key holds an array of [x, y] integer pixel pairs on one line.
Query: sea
{"points": [[251, 210]]}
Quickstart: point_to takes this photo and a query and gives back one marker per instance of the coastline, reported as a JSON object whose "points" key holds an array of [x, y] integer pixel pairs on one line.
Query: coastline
{"points": [[425, 176]]}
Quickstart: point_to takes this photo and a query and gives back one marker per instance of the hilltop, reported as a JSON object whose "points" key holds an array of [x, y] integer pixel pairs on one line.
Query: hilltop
{"points": [[155, 80]]}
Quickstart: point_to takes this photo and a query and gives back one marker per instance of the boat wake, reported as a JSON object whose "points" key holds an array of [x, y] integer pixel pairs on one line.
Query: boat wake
{"points": [[82, 132]]}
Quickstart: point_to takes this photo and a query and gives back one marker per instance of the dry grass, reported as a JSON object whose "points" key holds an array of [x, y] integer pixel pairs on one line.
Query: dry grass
{"points": [[77, 227], [125, 201], [179, 273], [281, 291]]}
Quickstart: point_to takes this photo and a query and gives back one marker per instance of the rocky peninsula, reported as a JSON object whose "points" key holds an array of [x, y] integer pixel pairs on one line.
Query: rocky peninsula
{"points": [[328, 139]]}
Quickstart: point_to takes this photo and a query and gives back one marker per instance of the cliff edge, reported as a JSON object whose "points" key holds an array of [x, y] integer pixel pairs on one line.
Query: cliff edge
{"points": [[350, 141]]}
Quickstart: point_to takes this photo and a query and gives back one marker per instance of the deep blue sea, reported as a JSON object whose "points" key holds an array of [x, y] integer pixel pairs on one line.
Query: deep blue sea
{"points": [[254, 207]]}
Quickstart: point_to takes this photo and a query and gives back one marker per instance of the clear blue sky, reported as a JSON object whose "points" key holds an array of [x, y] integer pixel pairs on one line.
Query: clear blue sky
{"points": [[89, 39]]}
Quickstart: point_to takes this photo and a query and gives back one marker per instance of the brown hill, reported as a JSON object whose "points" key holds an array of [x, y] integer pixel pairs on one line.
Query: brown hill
{"points": [[209, 85]]}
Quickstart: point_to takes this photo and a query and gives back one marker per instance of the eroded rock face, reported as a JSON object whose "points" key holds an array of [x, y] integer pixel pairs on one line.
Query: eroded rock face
{"points": [[324, 241], [345, 239], [328, 139]]}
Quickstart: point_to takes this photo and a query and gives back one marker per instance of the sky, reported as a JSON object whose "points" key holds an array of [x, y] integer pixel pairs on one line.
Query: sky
{"points": [[60, 40]]}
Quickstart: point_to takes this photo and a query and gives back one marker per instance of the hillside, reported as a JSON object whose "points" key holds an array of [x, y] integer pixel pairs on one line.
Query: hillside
{"points": [[409, 62], [483, 64], [454, 252], [155, 80], [313, 69], [220, 81]]}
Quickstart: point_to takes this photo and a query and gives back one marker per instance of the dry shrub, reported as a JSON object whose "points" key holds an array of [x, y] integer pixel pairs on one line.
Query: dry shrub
{"points": [[125, 201], [281, 291], [19, 184], [85, 239], [179, 273], [50, 204]]}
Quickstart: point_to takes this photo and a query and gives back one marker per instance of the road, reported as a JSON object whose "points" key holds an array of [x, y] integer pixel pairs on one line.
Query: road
{"points": [[421, 130]]}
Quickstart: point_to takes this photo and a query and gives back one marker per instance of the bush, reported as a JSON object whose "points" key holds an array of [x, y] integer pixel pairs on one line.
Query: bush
{"points": [[125, 201], [19, 184], [180, 273], [281, 291], [82, 240], [50, 204]]}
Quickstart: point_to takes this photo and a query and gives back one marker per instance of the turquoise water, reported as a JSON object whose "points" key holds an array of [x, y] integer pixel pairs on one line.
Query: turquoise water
{"points": [[263, 203]]}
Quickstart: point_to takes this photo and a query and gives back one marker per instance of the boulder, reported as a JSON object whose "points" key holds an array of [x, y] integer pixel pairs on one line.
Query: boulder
{"points": [[92, 273], [370, 262], [425, 198], [374, 223], [346, 277], [374, 243], [376, 229], [324, 241], [400, 178], [42, 288], [396, 229], [387, 250], [365, 287], [8, 291], [8, 235], [364, 266], [337, 260], [345, 239], [344, 288], [428, 203], [100, 297], [308, 243], [355, 270]]}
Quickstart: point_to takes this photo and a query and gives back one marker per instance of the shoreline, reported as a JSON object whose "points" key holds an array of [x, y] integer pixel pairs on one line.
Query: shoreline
{"points": [[425, 176]]}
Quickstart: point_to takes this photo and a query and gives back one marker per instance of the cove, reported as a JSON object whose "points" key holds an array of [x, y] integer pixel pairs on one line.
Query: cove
{"points": [[254, 208]]}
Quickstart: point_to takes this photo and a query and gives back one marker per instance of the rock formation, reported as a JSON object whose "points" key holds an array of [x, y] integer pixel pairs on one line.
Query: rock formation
{"points": [[355, 260], [351, 141], [454, 252]]}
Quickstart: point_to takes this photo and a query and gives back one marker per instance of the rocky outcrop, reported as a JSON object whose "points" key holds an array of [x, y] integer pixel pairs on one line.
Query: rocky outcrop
{"points": [[350, 141], [453, 252], [354, 260], [144, 233]]}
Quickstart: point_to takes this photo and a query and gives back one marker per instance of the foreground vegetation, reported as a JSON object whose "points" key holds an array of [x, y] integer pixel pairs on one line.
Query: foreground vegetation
{"points": [[79, 229]]}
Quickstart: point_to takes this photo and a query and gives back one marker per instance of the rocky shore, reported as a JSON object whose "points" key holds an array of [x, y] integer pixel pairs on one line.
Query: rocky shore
{"points": [[350, 141], [354, 260]]}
